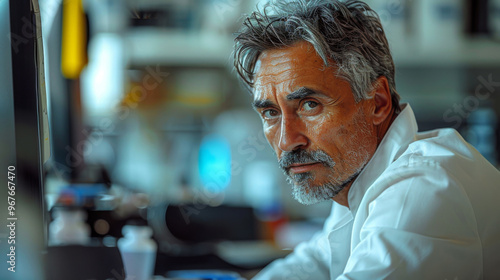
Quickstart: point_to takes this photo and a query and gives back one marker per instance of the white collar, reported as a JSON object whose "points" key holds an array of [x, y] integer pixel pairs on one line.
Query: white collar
{"points": [[396, 140]]}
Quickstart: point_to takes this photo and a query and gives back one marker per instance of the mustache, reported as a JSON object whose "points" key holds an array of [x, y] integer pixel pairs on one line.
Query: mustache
{"points": [[304, 157]]}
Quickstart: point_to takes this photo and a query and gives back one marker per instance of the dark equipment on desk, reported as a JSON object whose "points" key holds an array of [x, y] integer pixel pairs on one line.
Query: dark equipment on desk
{"points": [[188, 235], [189, 224], [84, 262]]}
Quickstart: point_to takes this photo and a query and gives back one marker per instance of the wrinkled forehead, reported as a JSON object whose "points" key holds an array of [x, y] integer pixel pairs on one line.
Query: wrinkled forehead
{"points": [[289, 67]]}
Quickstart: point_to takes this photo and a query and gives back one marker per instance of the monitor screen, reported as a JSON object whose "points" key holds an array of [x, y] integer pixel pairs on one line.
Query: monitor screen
{"points": [[22, 152]]}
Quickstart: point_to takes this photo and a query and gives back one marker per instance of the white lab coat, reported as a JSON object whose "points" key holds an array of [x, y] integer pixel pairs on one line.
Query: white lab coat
{"points": [[426, 206]]}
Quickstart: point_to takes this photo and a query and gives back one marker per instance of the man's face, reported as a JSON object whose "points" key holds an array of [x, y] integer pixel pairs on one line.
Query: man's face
{"points": [[321, 136]]}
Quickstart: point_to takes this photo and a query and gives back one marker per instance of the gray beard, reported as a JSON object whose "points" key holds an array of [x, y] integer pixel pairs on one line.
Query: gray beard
{"points": [[305, 193], [303, 189]]}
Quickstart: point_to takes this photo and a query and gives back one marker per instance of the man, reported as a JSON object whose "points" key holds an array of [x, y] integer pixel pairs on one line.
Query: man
{"points": [[407, 205]]}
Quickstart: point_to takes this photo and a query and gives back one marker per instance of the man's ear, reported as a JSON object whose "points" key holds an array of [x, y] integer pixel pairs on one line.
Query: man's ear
{"points": [[382, 100]]}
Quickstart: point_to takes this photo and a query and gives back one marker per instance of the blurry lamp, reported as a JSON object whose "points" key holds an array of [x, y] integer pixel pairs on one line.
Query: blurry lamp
{"points": [[103, 79], [214, 163]]}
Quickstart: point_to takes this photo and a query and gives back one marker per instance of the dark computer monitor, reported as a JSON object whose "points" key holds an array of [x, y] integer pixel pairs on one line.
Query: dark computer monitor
{"points": [[23, 138]]}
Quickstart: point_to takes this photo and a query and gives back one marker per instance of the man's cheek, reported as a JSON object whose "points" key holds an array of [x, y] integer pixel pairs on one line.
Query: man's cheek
{"points": [[272, 138], [324, 138], [328, 144]]}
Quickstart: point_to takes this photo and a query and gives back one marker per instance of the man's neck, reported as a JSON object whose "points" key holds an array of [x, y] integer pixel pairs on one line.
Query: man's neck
{"points": [[341, 197]]}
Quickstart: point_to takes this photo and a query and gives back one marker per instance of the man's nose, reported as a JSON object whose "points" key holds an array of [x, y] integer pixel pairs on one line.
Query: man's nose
{"points": [[291, 136]]}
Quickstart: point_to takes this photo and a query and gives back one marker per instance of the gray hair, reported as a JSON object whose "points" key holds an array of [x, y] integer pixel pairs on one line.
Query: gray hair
{"points": [[349, 33]]}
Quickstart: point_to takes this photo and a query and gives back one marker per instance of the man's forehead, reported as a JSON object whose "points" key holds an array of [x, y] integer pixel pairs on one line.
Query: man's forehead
{"points": [[285, 70], [296, 53], [276, 57], [298, 59]]}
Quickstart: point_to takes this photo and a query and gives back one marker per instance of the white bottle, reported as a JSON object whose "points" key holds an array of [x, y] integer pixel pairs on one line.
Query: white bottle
{"points": [[138, 252], [69, 228]]}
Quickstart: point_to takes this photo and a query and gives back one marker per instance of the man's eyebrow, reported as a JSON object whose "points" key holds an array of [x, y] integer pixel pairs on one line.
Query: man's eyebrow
{"points": [[297, 94], [301, 93], [259, 104]]}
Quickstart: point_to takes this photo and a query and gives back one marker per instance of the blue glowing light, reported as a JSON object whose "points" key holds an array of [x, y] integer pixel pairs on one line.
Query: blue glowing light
{"points": [[214, 163]]}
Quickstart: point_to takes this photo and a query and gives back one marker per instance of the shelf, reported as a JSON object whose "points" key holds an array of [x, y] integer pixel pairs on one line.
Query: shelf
{"points": [[178, 48], [471, 53]]}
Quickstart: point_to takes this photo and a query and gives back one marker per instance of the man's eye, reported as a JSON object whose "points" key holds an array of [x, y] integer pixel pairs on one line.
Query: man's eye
{"points": [[270, 114], [309, 105]]}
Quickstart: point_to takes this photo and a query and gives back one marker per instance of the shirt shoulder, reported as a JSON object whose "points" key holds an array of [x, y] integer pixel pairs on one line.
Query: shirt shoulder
{"points": [[444, 150], [438, 171]]}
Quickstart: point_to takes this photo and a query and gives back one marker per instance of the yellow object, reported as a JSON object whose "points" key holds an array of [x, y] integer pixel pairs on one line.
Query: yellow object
{"points": [[74, 39]]}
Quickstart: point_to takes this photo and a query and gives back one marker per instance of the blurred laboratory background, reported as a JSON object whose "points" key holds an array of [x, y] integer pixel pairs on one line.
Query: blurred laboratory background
{"points": [[149, 125]]}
